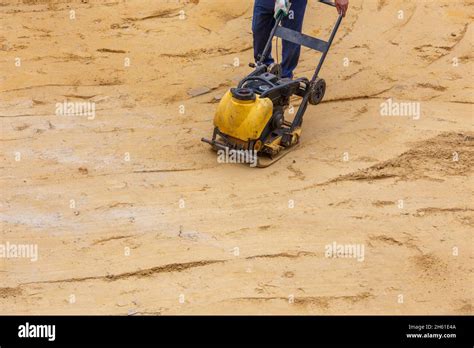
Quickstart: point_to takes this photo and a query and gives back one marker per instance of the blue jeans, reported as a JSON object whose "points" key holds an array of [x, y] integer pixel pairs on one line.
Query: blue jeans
{"points": [[262, 24]]}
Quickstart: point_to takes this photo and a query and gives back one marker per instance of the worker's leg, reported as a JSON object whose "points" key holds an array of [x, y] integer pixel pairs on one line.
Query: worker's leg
{"points": [[262, 25], [291, 51]]}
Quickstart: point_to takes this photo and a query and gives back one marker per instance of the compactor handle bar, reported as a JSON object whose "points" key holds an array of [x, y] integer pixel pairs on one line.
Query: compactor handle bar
{"points": [[302, 39]]}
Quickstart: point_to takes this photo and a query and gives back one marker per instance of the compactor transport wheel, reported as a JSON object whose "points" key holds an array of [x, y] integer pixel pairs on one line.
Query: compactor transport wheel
{"points": [[317, 91]]}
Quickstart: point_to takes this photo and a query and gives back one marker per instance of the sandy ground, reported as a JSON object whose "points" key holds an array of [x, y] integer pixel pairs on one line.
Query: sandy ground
{"points": [[133, 215]]}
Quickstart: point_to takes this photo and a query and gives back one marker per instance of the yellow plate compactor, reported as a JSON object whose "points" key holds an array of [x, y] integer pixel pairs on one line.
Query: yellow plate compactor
{"points": [[250, 118]]}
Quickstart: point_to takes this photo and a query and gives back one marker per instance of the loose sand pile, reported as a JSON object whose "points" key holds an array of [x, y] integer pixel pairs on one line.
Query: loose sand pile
{"points": [[133, 215]]}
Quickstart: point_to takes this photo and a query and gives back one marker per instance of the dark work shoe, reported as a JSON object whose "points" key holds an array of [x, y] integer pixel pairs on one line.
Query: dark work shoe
{"points": [[275, 69]]}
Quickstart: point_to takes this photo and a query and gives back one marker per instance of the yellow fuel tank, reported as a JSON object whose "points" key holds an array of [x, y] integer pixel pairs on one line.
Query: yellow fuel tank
{"points": [[243, 119]]}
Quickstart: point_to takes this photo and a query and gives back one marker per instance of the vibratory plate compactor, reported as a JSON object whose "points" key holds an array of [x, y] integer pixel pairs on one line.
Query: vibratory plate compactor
{"points": [[250, 118]]}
